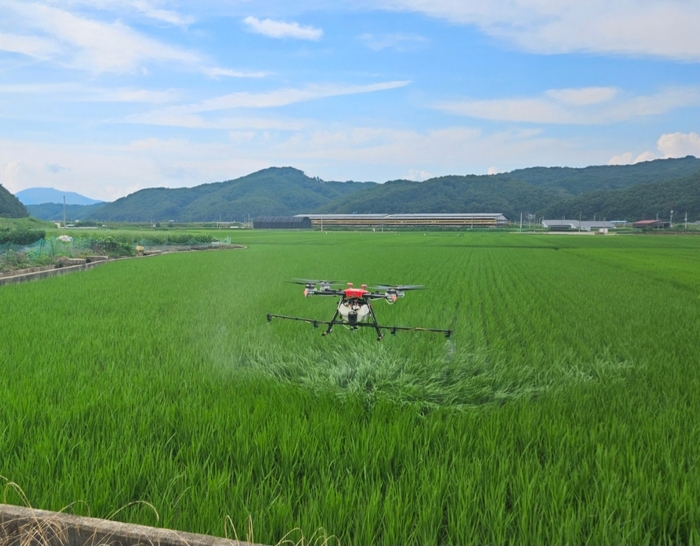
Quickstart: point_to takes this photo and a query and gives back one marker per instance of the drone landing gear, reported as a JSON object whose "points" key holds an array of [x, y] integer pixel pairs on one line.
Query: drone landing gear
{"points": [[331, 323], [355, 326], [380, 336]]}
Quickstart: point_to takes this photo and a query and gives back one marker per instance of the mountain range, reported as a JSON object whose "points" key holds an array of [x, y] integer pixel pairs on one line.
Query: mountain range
{"points": [[623, 192], [38, 196]]}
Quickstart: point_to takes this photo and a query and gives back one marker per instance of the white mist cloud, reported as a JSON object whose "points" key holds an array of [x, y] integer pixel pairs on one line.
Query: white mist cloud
{"points": [[186, 115], [664, 28], [216, 72], [585, 106], [418, 175], [282, 29], [584, 96], [679, 144], [83, 43], [397, 40], [670, 145]]}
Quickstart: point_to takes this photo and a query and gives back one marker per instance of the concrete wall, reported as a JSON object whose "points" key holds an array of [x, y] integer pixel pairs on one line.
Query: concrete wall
{"points": [[46, 273], [20, 526]]}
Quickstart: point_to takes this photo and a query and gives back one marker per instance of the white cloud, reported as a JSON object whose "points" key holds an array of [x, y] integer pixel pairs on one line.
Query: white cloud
{"points": [[585, 106], [216, 72], [185, 115], [493, 170], [646, 156], [132, 95], [398, 41], [629, 158], [167, 16], [670, 145], [282, 29], [622, 159], [55, 168], [584, 96], [283, 97], [147, 8], [679, 144], [418, 175], [71, 92], [89, 44], [334, 153], [664, 28], [33, 46], [166, 118], [15, 175]]}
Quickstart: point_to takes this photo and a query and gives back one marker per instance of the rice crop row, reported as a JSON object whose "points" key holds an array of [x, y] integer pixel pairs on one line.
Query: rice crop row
{"points": [[562, 410]]}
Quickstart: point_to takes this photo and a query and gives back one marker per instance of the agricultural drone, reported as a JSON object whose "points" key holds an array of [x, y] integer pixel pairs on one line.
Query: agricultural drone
{"points": [[355, 306]]}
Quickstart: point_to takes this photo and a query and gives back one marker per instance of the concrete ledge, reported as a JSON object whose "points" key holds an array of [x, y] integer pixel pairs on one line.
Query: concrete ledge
{"points": [[45, 274], [88, 263], [16, 272], [20, 526]]}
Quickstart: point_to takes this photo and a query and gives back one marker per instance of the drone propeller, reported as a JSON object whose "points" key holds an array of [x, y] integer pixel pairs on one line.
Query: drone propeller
{"points": [[310, 286], [313, 281], [399, 287]]}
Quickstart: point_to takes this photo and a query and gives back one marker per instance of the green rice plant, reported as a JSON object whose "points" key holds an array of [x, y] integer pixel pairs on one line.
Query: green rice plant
{"points": [[562, 410]]}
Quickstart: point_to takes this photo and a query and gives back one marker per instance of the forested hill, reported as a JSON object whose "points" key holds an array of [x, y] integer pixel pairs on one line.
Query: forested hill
{"points": [[571, 181], [643, 201], [10, 206], [288, 191], [275, 191], [446, 194], [521, 191], [54, 211]]}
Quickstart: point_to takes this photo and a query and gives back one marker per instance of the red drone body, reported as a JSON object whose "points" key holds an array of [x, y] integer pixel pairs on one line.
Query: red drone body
{"points": [[355, 306]]}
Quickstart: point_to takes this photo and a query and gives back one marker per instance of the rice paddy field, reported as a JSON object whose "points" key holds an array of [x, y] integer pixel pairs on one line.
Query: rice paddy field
{"points": [[563, 410]]}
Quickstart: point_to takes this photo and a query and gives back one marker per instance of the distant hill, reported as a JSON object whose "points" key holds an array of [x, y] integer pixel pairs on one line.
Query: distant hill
{"points": [[284, 191], [569, 181], [643, 201], [54, 211], [525, 190], [10, 206], [38, 196], [445, 194], [277, 191]]}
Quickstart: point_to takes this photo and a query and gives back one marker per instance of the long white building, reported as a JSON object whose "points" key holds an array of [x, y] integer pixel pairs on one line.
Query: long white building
{"points": [[408, 220]]}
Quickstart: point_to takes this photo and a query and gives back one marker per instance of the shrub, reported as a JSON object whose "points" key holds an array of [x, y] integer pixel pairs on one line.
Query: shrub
{"points": [[21, 236]]}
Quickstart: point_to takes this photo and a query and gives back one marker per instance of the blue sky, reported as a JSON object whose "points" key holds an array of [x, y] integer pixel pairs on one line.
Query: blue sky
{"points": [[106, 97]]}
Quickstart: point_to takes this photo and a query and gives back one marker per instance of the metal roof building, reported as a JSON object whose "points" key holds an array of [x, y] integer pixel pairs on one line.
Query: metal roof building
{"points": [[409, 220], [282, 222], [651, 224], [575, 225]]}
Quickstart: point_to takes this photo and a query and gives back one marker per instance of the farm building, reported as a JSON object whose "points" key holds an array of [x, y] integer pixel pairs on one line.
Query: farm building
{"points": [[575, 225], [408, 220], [650, 224], [282, 222]]}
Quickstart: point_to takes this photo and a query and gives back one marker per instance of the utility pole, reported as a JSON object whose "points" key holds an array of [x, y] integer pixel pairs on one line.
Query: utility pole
{"points": [[686, 220], [671, 218], [521, 221], [579, 220], [64, 211]]}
